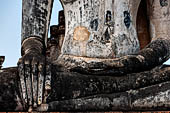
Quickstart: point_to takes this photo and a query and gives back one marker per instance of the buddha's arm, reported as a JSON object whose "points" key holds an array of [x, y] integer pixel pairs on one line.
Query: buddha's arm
{"points": [[35, 22], [156, 53]]}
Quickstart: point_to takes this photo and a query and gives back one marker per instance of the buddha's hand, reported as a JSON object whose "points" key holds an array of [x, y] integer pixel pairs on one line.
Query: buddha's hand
{"points": [[34, 75]]}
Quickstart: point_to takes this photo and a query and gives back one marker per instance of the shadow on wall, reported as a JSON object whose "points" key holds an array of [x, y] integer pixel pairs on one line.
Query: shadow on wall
{"points": [[143, 25]]}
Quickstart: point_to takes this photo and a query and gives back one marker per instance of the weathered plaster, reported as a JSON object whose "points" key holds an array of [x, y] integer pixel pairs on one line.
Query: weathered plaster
{"points": [[110, 28]]}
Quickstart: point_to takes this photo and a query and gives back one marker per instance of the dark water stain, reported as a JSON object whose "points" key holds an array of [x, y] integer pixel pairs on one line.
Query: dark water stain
{"points": [[80, 12], [68, 1], [107, 35], [108, 16], [163, 3], [127, 19], [94, 24]]}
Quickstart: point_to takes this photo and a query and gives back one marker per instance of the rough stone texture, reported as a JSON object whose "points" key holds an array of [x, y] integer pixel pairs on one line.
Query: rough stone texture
{"points": [[35, 23], [35, 18], [144, 99], [153, 55], [56, 39], [96, 32], [72, 85], [8, 89], [77, 92]]}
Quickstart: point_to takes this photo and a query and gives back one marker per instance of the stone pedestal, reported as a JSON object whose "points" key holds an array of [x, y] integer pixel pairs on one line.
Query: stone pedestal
{"points": [[71, 91]]}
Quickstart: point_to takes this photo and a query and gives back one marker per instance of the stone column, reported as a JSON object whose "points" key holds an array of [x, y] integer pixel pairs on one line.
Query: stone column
{"points": [[57, 33]]}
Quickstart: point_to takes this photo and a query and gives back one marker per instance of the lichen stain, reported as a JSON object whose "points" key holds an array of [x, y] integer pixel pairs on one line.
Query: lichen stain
{"points": [[81, 33], [94, 24], [163, 3], [107, 36]]}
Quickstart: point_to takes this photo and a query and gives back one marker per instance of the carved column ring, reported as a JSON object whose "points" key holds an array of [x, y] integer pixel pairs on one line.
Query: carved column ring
{"points": [[32, 43]]}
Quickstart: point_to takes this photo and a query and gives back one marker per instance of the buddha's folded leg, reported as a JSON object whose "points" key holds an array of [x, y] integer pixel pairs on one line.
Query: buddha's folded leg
{"points": [[71, 85], [156, 97], [71, 91]]}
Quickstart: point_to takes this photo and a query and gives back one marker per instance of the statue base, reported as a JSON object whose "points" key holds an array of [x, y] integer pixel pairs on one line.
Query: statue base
{"points": [[71, 91]]}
